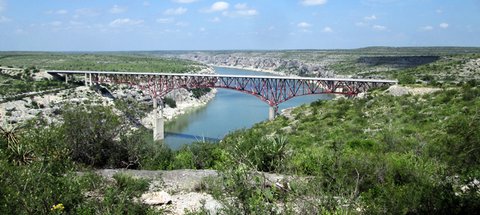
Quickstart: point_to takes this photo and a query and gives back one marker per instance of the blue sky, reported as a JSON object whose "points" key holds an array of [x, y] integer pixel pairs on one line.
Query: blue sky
{"points": [[94, 25]]}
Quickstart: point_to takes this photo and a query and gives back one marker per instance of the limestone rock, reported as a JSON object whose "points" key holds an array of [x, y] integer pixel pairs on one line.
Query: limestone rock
{"points": [[397, 90], [156, 198], [195, 201]]}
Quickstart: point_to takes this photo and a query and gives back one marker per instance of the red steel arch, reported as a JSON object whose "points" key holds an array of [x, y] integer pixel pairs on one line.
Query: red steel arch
{"points": [[271, 89]]}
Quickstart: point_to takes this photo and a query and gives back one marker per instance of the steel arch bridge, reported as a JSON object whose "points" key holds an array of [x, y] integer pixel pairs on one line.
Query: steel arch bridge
{"points": [[271, 89]]}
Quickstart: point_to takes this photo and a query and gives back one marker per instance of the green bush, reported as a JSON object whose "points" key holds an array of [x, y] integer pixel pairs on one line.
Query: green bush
{"points": [[198, 155], [170, 102], [117, 198], [406, 79], [91, 132], [48, 180], [199, 92]]}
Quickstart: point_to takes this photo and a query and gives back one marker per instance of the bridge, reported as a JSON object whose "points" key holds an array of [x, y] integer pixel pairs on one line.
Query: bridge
{"points": [[271, 89]]}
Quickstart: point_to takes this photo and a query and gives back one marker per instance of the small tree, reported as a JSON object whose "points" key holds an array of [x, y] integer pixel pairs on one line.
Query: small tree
{"points": [[91, 133]]}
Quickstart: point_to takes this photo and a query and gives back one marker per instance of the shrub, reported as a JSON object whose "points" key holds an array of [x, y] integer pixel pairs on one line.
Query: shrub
{"points": [[90, 133], [198, 155], [406, 79], [170, 102], [199, 92], [118, 198]]}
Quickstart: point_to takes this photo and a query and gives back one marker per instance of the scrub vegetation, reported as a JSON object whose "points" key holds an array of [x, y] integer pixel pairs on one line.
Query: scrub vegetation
{"points": [[111, 61], [381, 154]]}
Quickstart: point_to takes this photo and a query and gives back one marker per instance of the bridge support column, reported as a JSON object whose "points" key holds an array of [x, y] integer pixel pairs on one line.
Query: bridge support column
{"points": [[272, 112], [66, 79], [158, 124], [90, 79], [86, 80]]}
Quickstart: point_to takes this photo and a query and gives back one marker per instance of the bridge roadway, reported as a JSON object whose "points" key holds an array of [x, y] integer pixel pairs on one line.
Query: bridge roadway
{"points": [[271, 89]]}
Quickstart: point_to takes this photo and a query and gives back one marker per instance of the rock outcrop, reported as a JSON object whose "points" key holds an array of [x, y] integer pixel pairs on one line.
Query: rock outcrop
{"points": [[263, 63]]}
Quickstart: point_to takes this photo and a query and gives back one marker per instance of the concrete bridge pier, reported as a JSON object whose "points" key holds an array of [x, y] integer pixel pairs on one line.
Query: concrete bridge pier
{"points": [[66, 79], [272, 112], [91, 80], [158, 124], [86, 80]]}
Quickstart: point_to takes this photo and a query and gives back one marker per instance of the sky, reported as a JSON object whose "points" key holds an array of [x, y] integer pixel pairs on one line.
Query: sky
{"points": [[128, 25]]}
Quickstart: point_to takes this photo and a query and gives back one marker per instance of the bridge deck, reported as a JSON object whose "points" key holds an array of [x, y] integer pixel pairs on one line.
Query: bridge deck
{"points": [[223, 76]]}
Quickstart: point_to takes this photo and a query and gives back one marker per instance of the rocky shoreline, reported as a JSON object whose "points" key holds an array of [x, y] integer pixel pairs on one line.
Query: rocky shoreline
{"points": [[48, 105], [252, 69], [263, 62]]}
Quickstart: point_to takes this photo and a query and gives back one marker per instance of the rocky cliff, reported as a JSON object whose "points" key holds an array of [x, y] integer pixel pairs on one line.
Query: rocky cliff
{"points": [[264, 62]]}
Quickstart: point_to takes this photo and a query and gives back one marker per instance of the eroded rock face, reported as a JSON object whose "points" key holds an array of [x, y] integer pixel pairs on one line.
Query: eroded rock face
{"points": [[156, 198], [269, 63], [180, 184], [397, 90], [193, 201]]}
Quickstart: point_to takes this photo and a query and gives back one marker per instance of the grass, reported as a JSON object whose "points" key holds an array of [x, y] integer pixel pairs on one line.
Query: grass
{"points": [[122, 62], [12, 86]]}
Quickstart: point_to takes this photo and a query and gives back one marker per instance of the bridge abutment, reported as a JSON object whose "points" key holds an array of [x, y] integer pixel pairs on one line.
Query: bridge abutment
{"points": [[272, 112], [158, 124]]}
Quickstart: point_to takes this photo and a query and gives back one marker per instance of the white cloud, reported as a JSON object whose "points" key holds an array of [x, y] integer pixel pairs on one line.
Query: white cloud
{"points": [[443, 25], [218, 6], [244, 10], [182, 24], [59, 12], [19, 31], [372, 17], [427, 28], [146, 4], [304, 25], [55, 23], [271, 28], [125, 22], [327, 29], [241, 6], [175, 11], [361, 24], [117, 9], [184, 1], [439, 11], [215, 19], [202, 29], [4, 19], [379, 27], [62, 12], [313, 2], [2, 5], [76, 23], [85, 12], [165, 20], [249, 12]]}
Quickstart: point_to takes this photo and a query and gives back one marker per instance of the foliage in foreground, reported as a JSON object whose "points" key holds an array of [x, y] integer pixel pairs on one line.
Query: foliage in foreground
{"points": [[48, 183], [381, 154]]}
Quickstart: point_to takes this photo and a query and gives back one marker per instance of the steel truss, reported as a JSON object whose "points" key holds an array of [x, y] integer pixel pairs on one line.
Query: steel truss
{"points": [[271, 89]]}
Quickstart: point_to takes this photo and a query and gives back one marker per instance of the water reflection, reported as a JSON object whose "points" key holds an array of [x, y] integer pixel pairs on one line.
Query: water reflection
{"points": [[228, 111]]}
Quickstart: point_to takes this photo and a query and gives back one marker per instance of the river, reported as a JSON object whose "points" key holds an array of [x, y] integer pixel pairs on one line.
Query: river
{"points": [[229, 111]]}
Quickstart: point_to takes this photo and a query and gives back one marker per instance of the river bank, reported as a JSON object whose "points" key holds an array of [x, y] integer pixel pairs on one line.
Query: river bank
{"points": [[48, 104], [252, 69], [185, 102]]}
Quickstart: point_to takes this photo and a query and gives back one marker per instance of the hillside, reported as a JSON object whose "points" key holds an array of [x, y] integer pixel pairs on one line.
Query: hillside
{"points": [[378, 154], [420, 64]]}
